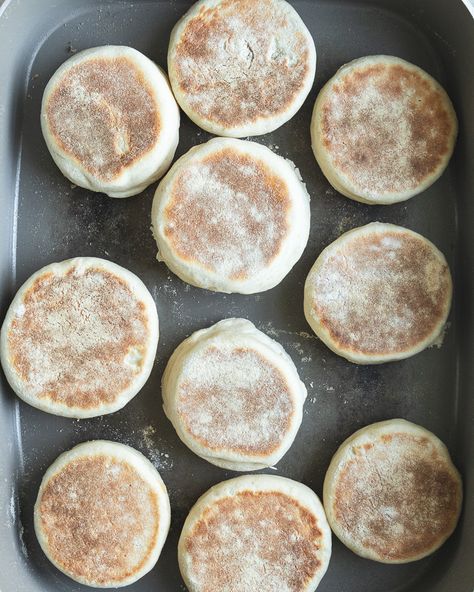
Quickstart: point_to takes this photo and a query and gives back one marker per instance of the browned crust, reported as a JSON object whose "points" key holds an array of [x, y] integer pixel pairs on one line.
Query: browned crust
{"points": [[268, 401], [189, 215], [398, 503], [269, 532], [366, 143], [91, 517], [103, 114], [52, 357], [227, 88], [391, 304]]}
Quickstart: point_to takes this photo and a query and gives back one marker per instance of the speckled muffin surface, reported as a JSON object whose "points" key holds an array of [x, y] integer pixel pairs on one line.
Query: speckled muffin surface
{"points": [[392, 493], [80, 338], [231, 216], [239, 67], [234, 396], [102, 514], [110, 120], [383, 130], [378, 293], [259, 532]]}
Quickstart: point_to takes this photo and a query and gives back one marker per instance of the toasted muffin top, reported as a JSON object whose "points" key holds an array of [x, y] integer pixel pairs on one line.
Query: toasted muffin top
{"points": [[99, 519], [386, 126], [396, 497], [79, 337], [233, 399], [227, 212], [103, 114], [236, 62], [254, 540], [380, 290]]}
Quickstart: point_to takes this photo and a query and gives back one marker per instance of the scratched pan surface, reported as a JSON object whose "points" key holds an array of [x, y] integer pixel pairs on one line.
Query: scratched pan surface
{"points": [[44, 219]]}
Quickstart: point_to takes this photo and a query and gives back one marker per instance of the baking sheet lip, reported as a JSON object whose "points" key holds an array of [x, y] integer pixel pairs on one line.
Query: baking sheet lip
{"points": [[4, 4], [16, 199], [469, 4], [14, 515]]}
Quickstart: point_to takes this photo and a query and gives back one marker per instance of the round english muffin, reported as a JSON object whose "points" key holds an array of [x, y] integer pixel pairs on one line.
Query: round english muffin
{"points": [[110, 120], [79, 338], [102, 514], [255, 532], [234, 396], [392, 493], [239, 67], [378, 293], [231, 216], [383, 130]]}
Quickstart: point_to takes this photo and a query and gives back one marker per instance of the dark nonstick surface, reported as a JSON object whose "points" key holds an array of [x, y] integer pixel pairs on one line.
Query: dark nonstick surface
{"points": [[45, 219]]}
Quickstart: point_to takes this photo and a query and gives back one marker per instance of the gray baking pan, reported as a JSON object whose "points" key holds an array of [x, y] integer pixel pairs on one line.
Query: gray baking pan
{"points": [[44, 219]]}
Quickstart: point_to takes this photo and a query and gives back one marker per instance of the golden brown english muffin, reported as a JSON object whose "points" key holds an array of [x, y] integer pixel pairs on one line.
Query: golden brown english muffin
{"points": [[80, 338], [255, 532], [378, 293], [239, 67], [234, 396], [102, 514], [110, 120], [383, 130], [392, 493], [231, 216]]}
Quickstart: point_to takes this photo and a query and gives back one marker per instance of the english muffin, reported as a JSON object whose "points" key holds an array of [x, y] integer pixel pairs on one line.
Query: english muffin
{"points": [[102, 514], [110, 120], [383, 130], [392, 493], [378, 293], [239, 67], [234, 396], [79, 338], [259, 532], [231, 216]]}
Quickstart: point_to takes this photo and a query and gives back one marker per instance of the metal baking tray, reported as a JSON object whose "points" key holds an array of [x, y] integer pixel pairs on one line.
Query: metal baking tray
{"points": [[44, 219]]}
